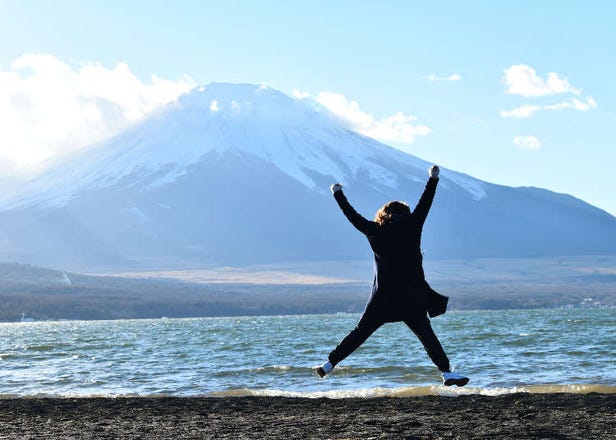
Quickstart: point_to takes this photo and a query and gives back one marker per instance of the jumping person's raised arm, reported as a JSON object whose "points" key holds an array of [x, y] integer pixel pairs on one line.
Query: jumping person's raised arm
{"points": [[363, 225], [425, 202]]}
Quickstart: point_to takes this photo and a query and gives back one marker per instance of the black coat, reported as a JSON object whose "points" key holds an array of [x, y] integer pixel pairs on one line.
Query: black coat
{"points": [[400, 290]]}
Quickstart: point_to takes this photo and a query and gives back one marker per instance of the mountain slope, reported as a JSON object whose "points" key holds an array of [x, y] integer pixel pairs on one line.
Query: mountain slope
{"points": [[240, 174]]}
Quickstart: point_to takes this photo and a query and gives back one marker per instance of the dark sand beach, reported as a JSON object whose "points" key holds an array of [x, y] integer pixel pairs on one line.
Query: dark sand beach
{"points": [[519, 416]]}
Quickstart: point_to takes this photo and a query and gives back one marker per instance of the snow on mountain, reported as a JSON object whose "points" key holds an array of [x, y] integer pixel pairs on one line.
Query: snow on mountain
{"points": [[299, 137], [239, 174]]}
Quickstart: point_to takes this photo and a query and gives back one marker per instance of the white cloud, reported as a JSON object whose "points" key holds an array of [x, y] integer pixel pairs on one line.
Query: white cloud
{"points": [[524, 111], [214, 106], [523, 80], [575, 104], [452, 77], [49, 108], [398, 127], [527, 111], [527, 142]]}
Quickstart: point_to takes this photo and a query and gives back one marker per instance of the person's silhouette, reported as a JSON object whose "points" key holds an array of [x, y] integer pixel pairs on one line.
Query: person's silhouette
{"points": [[400, 291]]}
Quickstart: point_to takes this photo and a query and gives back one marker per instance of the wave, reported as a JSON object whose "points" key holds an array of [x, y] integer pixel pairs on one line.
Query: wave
{"points": [[433, 390], [401, 392]]}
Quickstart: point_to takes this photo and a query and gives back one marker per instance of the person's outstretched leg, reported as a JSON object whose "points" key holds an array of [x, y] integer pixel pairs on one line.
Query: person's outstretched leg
{"points": [[423, 330], [362, 331]]}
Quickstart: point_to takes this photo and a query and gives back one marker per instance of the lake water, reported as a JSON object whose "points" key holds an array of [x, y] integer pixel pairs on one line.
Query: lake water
{"points": [[501, 351]]}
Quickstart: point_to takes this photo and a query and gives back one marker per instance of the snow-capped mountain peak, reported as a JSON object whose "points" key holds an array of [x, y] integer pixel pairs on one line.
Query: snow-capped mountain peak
{"points": [[252, 104], [299, 136]]}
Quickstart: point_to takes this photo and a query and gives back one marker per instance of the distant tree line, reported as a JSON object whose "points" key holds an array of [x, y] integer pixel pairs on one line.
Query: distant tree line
{"points": [[44, 294]]}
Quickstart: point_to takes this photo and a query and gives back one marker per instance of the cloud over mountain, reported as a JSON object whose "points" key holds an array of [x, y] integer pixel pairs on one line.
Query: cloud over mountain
{"points": [[50, 107]]}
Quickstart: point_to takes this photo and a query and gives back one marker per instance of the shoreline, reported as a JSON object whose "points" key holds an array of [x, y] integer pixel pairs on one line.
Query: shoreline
{"points": [[432, 390], [519, 415]]}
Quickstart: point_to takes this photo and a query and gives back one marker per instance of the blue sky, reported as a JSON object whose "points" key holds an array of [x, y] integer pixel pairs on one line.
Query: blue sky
{"points": [[516, 94]]}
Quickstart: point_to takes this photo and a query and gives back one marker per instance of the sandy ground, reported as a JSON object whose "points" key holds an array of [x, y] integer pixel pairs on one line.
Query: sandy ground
{"points": [[516, 416]]}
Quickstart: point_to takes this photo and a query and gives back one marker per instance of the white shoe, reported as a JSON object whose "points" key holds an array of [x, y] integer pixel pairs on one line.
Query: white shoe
{"points": [[324, 369], [450, 378]]}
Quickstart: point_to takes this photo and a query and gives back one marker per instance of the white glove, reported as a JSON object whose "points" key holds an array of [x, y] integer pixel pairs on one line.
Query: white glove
{"points": [[336, 187], [434, 170]]}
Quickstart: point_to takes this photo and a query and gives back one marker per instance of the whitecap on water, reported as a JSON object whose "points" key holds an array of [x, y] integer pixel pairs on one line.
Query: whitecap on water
{"points": [[434, 390]]}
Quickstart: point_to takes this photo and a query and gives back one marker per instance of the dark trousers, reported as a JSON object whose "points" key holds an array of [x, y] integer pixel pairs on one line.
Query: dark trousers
{"points": [[368, 324]]}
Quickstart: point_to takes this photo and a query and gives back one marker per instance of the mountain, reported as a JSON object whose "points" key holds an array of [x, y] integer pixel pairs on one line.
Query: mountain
{"points": [[236, 174]]}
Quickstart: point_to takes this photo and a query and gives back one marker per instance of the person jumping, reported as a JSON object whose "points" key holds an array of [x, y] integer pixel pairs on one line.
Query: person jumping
{"points": [[399, 291]]}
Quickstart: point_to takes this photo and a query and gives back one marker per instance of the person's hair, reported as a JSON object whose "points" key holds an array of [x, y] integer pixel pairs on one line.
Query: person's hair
{"points": [[386, 213]]}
